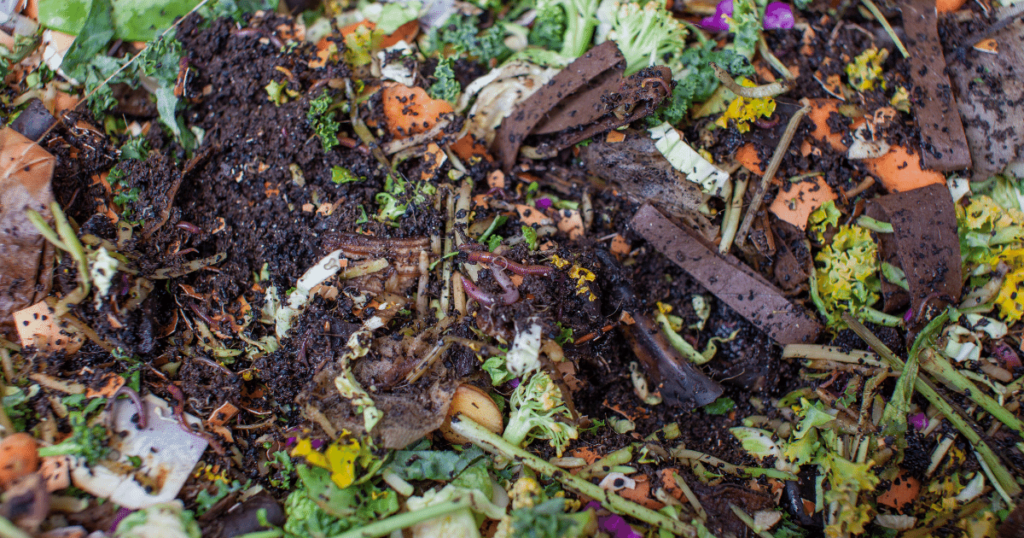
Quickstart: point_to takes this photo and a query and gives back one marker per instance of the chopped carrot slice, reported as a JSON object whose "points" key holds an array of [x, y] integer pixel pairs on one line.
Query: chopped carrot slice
{"points": [[901, 171], [796, 201], [747, 156], [409, 111], [948, 6]]}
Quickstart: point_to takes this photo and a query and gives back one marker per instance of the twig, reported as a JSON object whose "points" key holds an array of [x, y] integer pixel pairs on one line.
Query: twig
{"points": [[773, 166], [494, 444], [885, 25], [756, 92]]}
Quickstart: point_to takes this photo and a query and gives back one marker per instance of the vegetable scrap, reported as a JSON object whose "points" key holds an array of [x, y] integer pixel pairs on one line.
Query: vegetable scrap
{"points": [[525, 268]]}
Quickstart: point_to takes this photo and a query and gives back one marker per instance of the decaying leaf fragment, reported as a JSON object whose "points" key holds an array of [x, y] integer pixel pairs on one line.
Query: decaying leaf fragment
{"points": [[588, 97], [742, 289], [26, 259]]}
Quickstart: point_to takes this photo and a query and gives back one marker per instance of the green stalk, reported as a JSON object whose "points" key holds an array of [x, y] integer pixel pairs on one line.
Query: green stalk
{"points": [[999, 473], [603, 466], [939, 367], [10, 530], [749, 521], [829, 353], [386, 526], [878, 317], [494, 444]]}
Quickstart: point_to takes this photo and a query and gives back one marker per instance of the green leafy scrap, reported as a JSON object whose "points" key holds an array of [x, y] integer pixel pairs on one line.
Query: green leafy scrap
{"points": [[445, 87], [88, 439], [320, 508], [530, 236], [550, 520], [433, 464], [323, 122], [495, 367], [720, 406], [97, 30], [847, 272], [341, 175]]}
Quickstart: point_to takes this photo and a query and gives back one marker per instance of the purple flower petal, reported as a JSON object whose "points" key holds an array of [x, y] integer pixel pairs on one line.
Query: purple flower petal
{"points": [[542, 203], [514, 383], [778, 16], [1006, 355], [918, 421]]}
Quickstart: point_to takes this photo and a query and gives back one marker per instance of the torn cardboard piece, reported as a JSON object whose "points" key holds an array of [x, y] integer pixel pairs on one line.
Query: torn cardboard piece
{"points": [[943, 142], [736, 285]]}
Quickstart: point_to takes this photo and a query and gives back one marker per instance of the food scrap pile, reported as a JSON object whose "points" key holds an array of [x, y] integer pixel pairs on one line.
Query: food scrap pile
{"points": [[540, 268]]}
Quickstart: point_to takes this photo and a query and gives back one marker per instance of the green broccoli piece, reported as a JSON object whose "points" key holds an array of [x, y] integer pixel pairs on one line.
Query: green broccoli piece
{"points": [[645, 33], [548, 28], [446, 87], [460, 34], [847, 276], [580, 21], [536, 406], [321, 119], [549, 520]]}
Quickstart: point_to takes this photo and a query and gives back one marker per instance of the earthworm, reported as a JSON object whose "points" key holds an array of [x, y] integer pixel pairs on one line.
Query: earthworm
{"points": [[247, 32], [350, 143], [500, 261], [476, 294], [769, 122], [189, 227], [511, 294], [184, 252], [657, 80], [470, 247], [179, 413], [924, 303], [136, 399], [202, 315]]}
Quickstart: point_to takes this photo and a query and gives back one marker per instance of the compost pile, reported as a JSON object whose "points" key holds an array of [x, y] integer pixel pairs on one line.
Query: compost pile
{"points": [[535, 268]]}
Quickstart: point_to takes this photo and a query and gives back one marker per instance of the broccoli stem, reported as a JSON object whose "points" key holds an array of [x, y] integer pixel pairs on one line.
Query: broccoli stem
{"points": [[579, 26], [678, 342], [490, 442], [999, 473], [405, 520], [939, 367]]}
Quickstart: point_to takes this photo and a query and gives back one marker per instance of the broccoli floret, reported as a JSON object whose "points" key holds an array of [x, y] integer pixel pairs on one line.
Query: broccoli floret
{"points": [[548, 28], [645, 34], [580, 21], [322, 120], [536, 406], [446, 87]]}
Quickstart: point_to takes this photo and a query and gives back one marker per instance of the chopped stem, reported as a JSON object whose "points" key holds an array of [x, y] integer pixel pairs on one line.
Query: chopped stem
{"points": [[874, 225], [769, 56], [885, 24], [769, 173], [701, 513], [494, 444], [878, 317], [830, 353], [939, 367], [749, 521], [10, 530], [405, 520], [732, 214], [999, 473]]}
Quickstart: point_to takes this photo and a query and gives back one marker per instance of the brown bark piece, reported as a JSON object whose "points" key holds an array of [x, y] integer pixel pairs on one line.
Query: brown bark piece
{"points": [[991, 100], [26, 259], [527, 115], [925, 241], [943, 142], [732, 282]]}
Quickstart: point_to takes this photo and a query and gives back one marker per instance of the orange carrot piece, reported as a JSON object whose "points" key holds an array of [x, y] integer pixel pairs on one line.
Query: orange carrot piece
{"points": [[796, 204], [408, 111], [901, 171]]}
